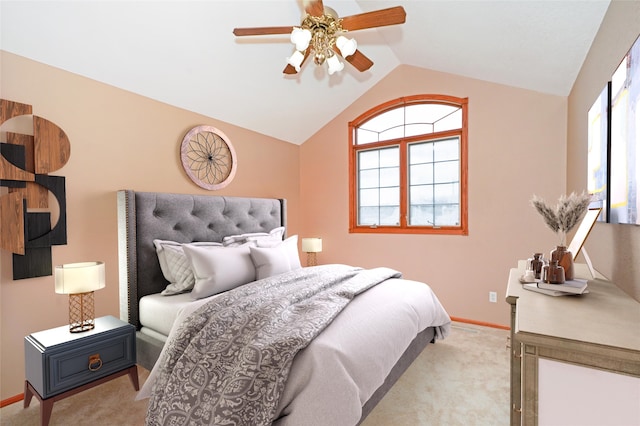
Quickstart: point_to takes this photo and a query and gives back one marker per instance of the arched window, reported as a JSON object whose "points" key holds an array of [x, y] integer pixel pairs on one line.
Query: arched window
{"points": [[408, 167]]}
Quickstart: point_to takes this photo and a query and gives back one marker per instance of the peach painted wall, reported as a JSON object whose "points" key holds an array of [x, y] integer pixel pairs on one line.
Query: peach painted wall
{"points": [[118, 141], [517, 146], [613, 248]]}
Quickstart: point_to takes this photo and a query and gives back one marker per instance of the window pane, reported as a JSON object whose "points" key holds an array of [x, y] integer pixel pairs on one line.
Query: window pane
{"points": [[390, 157], [379, 185], [421, 153], [368, 160], [450, 122], [390, 216], [421, 174], [421, 215], [447, 149], [369, 216], [447, 193], [392, 133], [369, 197], [446, 172], [418, 129], [390, 176], [422, 194], [447, 215], [364, 136], [369, 178], [429, 113], [390, 196], [384, 121]]}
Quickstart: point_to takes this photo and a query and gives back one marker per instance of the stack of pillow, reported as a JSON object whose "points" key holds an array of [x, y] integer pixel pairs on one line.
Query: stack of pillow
{"points": [[205, 268]]}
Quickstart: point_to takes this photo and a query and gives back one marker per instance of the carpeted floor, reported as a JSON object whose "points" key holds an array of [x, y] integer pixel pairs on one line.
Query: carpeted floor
{"points": [[462, 380]]}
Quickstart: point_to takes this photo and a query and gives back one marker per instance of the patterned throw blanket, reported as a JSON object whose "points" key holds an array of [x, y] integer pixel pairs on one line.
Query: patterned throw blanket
{"points": [[228, 363]]}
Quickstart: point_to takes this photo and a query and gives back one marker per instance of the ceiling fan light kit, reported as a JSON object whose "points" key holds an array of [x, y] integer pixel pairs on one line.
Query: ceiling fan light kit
{"points": [[321, 34], [334, 64], [295, 60], [301, 38], [347, 46]]}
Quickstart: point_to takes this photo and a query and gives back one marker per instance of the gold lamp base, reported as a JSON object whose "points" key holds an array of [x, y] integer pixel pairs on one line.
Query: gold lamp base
{"points": [[312, 260], [81, 315]]}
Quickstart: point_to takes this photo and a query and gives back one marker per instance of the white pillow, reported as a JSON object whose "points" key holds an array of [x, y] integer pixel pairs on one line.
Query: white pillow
{"points": [[275, 259], [275, 234], [219, 270], [175, 266]]}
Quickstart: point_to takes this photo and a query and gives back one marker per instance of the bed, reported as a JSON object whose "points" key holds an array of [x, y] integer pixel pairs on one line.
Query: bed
{"points": [[308, 397]]}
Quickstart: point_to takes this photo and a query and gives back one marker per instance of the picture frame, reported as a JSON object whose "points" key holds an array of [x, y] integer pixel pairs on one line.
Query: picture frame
{"points": [[583, 231], [581, 235]]}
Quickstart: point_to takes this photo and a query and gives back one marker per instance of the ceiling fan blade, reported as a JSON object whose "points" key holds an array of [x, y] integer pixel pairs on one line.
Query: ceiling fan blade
{"points": [[262, 31], [377, 18], [358, 60], [314, 7], [289, 70]]}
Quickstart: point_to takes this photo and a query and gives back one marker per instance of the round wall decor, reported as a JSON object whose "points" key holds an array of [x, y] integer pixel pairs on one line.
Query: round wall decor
{"points": [[208, 157]]}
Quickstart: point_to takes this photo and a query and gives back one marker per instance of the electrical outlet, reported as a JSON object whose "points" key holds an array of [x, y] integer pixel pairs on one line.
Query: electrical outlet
{"points": [[493, 297]]}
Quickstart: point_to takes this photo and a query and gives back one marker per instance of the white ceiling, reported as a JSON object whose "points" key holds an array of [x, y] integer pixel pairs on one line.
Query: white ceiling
{"points": [[184, 53]]}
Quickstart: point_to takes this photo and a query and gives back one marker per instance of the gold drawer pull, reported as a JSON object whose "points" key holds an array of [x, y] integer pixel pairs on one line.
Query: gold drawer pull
{"points": [[95, 363]]}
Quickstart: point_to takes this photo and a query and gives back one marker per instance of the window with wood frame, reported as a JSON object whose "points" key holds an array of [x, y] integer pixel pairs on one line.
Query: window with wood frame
{"points": [[408, 167]]}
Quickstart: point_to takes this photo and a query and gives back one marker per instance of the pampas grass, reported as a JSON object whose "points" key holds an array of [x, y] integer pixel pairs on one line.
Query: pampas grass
{"points": [[562, 217]]}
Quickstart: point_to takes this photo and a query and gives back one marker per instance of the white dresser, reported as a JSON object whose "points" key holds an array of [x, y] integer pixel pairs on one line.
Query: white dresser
{"points": [[575, 359]]}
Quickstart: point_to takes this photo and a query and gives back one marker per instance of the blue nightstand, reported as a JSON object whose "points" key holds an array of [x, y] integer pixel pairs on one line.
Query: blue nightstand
{"points": [[59, 363]]}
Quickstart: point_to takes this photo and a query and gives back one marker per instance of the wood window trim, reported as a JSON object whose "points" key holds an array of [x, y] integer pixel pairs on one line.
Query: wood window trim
{"points": [[463, 229]]}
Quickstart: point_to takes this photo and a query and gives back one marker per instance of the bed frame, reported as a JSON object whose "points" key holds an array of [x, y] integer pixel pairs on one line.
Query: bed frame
{"points": [[145, 216]]}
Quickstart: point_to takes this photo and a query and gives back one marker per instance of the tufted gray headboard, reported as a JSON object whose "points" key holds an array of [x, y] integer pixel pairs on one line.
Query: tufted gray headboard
{"points": [[145, 216]]}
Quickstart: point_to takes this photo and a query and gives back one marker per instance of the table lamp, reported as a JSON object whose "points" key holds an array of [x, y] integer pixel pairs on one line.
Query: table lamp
{"points": [[79, 281], [311, 246]]}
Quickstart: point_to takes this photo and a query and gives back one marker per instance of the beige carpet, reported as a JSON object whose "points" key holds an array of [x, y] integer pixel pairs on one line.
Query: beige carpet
{"points": [[462, 380]]}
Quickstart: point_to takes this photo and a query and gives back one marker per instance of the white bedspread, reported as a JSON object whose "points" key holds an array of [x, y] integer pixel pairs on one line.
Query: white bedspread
{"points": [[336, 374]]}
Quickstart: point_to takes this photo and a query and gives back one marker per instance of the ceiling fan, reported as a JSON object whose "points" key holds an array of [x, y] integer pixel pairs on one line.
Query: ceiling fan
{"points": [[322, 34]]}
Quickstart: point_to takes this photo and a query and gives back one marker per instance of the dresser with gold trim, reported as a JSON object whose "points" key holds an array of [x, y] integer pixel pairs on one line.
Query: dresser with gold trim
{"points": [[599, 330]]}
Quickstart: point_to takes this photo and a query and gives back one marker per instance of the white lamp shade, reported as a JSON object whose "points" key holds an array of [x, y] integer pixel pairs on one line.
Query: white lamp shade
{"points": [[301, 38], [312, 245], [82, 277], [347, 46], [334, 64], [295, 60]]}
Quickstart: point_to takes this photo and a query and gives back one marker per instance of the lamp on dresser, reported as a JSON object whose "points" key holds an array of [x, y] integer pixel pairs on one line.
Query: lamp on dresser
{"points": [[311, 246], [79, 281]]}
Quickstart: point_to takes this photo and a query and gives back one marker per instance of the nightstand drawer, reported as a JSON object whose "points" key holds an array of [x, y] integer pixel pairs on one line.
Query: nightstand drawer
{"points": [[77, 366], [79, 358]]}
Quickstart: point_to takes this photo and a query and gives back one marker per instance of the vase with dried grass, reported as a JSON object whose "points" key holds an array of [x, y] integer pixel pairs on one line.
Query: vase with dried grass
{"points": [[561, 219]]}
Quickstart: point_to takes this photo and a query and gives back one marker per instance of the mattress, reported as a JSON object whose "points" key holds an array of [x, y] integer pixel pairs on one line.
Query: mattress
{"points": [[158, 313]]}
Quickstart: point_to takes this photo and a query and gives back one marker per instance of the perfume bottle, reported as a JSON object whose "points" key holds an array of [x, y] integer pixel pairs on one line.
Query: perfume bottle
{"points": [[553, 273], [537, 262]]}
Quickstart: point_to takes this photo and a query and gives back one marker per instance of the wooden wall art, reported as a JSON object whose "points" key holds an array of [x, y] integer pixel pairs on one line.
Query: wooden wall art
{"points": [[25, 164], [208, 157]]}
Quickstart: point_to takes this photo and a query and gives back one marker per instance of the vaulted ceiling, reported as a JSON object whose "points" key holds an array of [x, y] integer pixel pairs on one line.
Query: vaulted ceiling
{"points": [[184, 53]]}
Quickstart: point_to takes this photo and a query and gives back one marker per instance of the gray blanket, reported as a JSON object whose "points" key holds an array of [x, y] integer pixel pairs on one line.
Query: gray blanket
{"points": [[228, 363]]}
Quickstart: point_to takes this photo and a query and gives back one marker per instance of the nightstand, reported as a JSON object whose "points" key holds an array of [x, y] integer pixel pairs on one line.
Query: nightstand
{"points": [[59, 363]]}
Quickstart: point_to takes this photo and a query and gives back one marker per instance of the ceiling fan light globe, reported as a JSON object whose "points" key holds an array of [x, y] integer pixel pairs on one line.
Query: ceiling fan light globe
{"points": [[334, 64], [347, 46], [301, 38], [295, 60]]}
